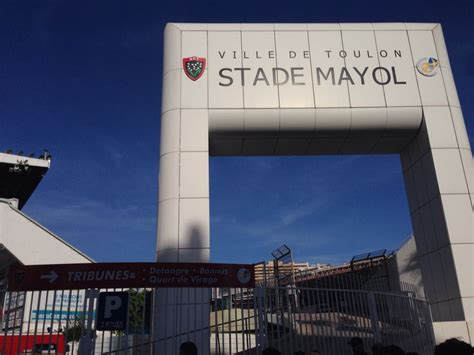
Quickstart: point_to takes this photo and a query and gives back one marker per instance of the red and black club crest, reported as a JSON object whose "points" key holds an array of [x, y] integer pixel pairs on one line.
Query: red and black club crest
{"points": [[194, 67]]}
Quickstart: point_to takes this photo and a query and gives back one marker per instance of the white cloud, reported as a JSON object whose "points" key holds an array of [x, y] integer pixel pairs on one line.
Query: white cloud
{"points": [[291, 216]]}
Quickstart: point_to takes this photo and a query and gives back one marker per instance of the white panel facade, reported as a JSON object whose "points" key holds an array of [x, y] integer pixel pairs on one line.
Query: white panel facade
{"points": [[194, 93], [293, 57], [361, 57], [259, 52], [325, 47], [394, 54], [432, 88], [225, 54], [194, 131], [331, 122]]}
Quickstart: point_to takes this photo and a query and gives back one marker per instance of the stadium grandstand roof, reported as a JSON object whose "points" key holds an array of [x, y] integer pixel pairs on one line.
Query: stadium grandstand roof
{"points": [[377, 254], [20, 175]]}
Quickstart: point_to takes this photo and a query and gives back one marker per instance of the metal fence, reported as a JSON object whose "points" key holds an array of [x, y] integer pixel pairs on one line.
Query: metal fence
{"points": [[237, 321], [307, 319], [64, 322]]}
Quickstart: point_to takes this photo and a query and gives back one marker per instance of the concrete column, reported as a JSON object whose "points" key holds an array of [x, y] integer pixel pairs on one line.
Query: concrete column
{"points": [[439, 176], [438, 170], [183, 202]]}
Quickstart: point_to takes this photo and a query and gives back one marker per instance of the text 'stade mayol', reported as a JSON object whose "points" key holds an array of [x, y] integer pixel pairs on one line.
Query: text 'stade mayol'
{"points": [[294, 75]]}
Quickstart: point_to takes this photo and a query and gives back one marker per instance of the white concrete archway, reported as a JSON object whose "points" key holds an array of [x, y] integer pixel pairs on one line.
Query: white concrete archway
{"points": [[302, 89]]}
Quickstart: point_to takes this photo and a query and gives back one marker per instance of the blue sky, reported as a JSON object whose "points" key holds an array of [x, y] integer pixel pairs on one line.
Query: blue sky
{"points": [[83, 79]]}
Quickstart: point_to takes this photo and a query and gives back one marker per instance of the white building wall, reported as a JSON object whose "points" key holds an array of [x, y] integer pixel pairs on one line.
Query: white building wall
{"points": [[405, 267], [33, 244]]}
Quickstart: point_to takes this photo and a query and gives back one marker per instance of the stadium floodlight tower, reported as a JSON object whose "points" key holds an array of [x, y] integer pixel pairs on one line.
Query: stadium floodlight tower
{"points": [[310, 89]]}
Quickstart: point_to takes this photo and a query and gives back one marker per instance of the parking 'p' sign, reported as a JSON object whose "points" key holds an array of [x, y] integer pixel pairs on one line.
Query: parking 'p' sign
{"points": [[113, 310]]}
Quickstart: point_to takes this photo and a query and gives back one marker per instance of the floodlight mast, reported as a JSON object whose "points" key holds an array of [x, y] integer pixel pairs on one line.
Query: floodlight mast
{"points": [[283, 254]]}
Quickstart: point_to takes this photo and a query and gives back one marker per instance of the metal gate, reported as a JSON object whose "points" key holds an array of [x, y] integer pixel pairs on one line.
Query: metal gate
{"points": [[241, 321]]}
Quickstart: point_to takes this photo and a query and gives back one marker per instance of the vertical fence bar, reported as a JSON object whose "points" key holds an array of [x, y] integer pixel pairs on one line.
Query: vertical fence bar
{"points": [[205, 309], [222, 309], [264, 308], [241, 336], [146, 339], [102, 341], [281, 312], [332, 314], [244, 329], [388, 325], [273, 337], [261, 311], [337, 316], [257, 322], [36, 320], [6, 321], [312, 311], [273, 315], [361, 305], [127, 324], [44, 318], [51, 324], [83, 321], [229, 317], [76, 320], [374, 316], [289, 316], [178, 310], [216, 326], [30, 310], [303, 324], [410, 316], [60, 323], [308, 321], [352, 314], [408, 324], [358, 309], [389, 318], [322, 321], [396, 318], [326, 307], [21, 311], [90, 310], [346, 324], [247, 330]]}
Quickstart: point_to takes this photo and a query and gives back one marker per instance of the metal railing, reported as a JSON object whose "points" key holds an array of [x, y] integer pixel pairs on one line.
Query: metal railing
{"points": [[236, 321]]}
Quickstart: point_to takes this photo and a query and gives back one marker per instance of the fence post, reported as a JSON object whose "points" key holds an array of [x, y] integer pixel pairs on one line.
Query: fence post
{"points": [[374, 317], [261, 316], [89, 338]]}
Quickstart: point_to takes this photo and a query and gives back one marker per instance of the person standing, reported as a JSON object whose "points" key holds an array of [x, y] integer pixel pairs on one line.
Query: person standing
{"points": [[271, 351], [357, 346], [188, 348]]}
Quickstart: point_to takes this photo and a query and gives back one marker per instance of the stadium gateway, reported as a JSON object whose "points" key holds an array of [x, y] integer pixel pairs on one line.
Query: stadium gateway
{"points": [[295, 76]]}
